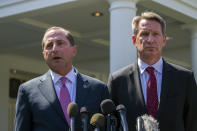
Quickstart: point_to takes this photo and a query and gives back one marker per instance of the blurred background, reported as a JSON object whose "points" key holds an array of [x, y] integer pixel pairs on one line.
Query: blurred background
{"points": [[102, 31]]}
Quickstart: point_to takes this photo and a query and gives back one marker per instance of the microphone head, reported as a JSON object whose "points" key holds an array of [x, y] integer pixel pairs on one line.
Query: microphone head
{"points": [[149, 123], [98, 120], [107, 106], [83, 110], [121, 107], [84, 113], [72, 110]]}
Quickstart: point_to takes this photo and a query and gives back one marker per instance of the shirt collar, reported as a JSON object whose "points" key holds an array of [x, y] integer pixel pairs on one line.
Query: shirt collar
{"points": [[158, 65], [70, 76]]}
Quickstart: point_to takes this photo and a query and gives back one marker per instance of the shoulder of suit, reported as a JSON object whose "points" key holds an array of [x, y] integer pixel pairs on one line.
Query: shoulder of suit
{"points": [[177, 67], [33, 82], [90, 79], [179, 70], [87, 78], [125, 70]]}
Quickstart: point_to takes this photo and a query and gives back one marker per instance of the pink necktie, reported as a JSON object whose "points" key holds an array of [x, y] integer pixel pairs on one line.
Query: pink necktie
{"points": [[152, 97], [64, 98]]}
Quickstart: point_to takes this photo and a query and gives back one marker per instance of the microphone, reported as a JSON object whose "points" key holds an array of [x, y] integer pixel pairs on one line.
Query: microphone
{"points": [[72, 111], [97, 121], [84, 117], [140, 124], [108, 107], [147, 123], [122, 111]]}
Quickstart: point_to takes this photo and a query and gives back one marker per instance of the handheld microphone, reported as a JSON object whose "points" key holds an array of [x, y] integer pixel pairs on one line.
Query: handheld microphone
{"points": [[108, 107], [84, 117], [122, 111], [147, 123], [97, 121], [72, 111]]}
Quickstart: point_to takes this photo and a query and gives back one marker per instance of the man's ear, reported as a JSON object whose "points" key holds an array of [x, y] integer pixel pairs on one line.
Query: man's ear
{"points": [[43, 53], [164, 40], [133, 39], [74, 50]]}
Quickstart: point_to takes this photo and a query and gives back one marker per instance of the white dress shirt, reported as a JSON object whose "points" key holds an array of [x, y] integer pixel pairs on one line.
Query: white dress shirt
{"points": [[144, 76], [70, 83]]}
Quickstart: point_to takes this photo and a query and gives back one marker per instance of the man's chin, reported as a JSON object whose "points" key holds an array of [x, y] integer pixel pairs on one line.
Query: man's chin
{"points": [[149, 55], [56, 65]]}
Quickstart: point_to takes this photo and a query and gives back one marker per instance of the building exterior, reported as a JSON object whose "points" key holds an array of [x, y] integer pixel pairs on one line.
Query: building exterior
{"points": [[104, 43]]}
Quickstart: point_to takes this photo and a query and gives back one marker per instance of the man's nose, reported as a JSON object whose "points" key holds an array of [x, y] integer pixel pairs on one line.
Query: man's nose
{"points": [[55, 47], [150, 38]]}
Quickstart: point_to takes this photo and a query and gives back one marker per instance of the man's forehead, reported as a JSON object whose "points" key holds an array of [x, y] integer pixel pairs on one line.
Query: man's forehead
{"points": [[145, 24]]}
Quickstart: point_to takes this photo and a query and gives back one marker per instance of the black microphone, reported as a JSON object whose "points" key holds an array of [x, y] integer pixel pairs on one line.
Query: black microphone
{"points": [[122, 111], [147, 123], [97, 121], [84, 117], [108, 107], [72, 111]]}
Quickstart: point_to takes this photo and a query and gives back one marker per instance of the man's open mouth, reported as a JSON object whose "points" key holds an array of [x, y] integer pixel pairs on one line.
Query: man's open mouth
{"points": [[56, 57]]}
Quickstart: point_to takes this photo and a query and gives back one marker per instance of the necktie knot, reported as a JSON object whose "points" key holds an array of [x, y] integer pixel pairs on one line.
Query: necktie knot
{"points": [[63, 80], [150, 70]]}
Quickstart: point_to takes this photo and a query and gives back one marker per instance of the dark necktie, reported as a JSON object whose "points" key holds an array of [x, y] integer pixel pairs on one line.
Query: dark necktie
{"points": [[152, 97], [64, 98]]}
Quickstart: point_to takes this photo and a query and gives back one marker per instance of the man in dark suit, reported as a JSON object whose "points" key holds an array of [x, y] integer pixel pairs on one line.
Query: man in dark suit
{"points": [[39, 104], [152, 86]]}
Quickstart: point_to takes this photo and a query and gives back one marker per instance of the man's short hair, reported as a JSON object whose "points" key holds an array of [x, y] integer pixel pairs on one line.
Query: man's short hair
{"points": [[67, 35], [148, 16]]}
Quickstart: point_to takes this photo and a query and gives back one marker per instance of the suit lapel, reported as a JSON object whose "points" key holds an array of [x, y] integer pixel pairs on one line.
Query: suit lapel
{"points": [[47, 89], [135, 78], [82, 90], [167, 78]]}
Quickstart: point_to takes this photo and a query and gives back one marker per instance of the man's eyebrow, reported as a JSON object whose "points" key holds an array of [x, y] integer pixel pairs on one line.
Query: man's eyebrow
{"points": [[60, 40], [48, 40]]}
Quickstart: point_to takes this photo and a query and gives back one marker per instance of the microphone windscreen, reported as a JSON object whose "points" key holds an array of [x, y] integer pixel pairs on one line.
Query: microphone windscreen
{"points": [[98, 120], [83, 110], [72, 109], [150, 123], [107, 106], [120, 107]]}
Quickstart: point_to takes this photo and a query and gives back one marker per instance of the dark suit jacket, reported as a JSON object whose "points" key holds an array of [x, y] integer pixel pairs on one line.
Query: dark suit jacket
{"points": [[178, 101], [38, 107]]}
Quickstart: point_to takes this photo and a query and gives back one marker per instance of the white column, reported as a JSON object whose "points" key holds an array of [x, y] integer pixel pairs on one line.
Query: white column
{"points": [[122, 51], [194, 50]]}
